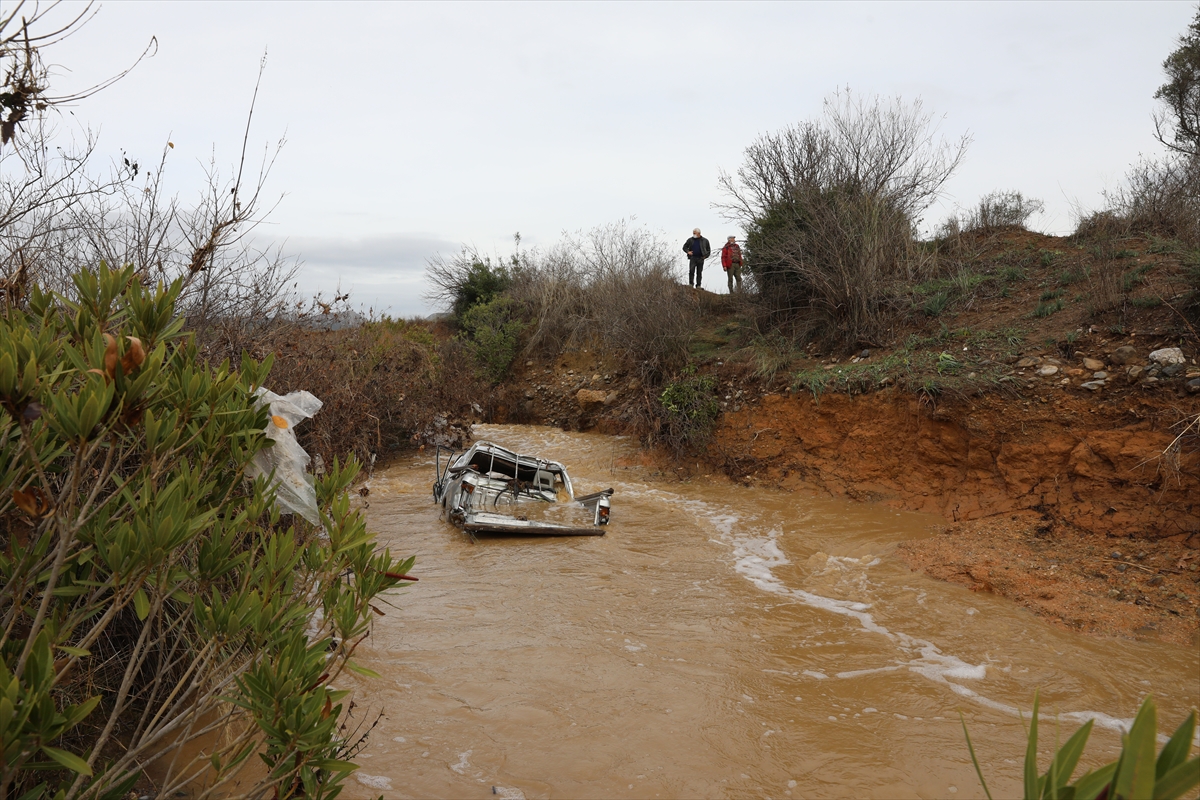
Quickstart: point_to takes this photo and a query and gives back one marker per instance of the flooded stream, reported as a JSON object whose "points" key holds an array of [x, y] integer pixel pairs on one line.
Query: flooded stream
{"points": [[719, 641]]}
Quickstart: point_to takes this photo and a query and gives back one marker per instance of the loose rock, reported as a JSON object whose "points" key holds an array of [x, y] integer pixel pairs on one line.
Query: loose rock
{"points": [[1193, 386], [1028, 361], [1092, 386], [1168, 355], [1092, 365], [589, 399], [1124, 355], [1047, 370]]}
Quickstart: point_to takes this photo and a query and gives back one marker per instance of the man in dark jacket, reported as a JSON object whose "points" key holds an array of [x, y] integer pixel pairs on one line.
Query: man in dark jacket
{"points": [[697, 249]]}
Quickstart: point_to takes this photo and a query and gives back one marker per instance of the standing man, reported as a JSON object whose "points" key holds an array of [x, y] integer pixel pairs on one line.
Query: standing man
{"points": [[697, 249], [731, 262]]}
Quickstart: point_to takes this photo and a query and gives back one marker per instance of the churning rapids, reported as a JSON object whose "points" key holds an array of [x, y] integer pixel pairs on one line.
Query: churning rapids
{"points": [[719, 641]]}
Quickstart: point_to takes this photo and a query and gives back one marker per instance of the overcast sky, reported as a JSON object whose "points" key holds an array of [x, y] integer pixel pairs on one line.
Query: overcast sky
{"points": [[413, 128]]}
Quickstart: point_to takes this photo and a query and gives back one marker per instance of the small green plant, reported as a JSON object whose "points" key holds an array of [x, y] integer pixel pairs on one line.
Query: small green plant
{"points": [[1151, 301], [1048, 257], [1070, 276], [936, 304], [771, 354], [1013, 274], [947, 363], [1134, 775], [1051, 294], [1045, 309], [1125, 254], [1191, 301], [1072, 337], [813, 381], [965, 281], [1135, 277], [1160, 246]]}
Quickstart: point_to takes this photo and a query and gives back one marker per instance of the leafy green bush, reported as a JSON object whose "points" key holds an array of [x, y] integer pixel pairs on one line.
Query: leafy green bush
{"points": [[492, 331], [483, 282], [150, 596], [689, 410], [1135, 774], [469, 279]]}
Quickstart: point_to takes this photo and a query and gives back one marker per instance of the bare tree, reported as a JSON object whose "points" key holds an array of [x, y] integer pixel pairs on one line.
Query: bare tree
{"points": [[59, 213], [830, 206]]}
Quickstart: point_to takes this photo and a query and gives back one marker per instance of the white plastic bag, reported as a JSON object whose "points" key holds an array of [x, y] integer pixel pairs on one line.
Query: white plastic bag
{"points": [[294, 486]]}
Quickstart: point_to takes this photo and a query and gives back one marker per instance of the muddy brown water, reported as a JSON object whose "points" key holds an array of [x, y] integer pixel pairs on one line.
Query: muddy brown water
{"points": [[719, 641]]}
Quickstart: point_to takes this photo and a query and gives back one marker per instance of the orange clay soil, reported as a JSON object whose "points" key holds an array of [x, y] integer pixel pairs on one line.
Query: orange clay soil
{"points": [[1084, 581], [1044, 500]]}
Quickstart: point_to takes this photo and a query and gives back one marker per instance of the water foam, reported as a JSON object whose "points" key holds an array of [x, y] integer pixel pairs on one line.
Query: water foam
{"points": [[757, 557], [373, 781]]}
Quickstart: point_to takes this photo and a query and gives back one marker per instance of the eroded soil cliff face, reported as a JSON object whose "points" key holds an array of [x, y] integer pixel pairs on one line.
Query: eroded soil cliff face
{"points": [[1073, 508], [1095, 464]]}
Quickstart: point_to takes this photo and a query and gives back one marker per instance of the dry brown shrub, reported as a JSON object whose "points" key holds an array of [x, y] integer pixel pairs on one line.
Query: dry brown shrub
{"points": [[1002, 210], [380, 381], [1105, 284], [1160, 197], [1105, 233], [614, 287]]}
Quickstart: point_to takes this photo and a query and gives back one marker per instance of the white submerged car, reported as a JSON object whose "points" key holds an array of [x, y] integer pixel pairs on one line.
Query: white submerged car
{"points": [[490, 489]]}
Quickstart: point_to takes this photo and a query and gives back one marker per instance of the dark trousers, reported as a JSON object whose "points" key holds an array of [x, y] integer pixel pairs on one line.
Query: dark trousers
{"points": [[695, 270]]}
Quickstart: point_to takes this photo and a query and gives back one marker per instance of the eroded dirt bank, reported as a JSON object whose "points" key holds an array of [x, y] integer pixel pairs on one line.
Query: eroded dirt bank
{"points": [[1060, 500], [1091, 463], [1067, 507]]}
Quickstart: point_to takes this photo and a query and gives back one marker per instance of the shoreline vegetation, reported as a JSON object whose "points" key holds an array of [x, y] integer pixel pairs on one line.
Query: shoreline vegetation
{"points": [[1040, 393]]}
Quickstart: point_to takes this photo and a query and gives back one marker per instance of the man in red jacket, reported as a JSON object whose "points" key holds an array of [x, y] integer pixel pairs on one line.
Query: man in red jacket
{"points": [[731, 262]]}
